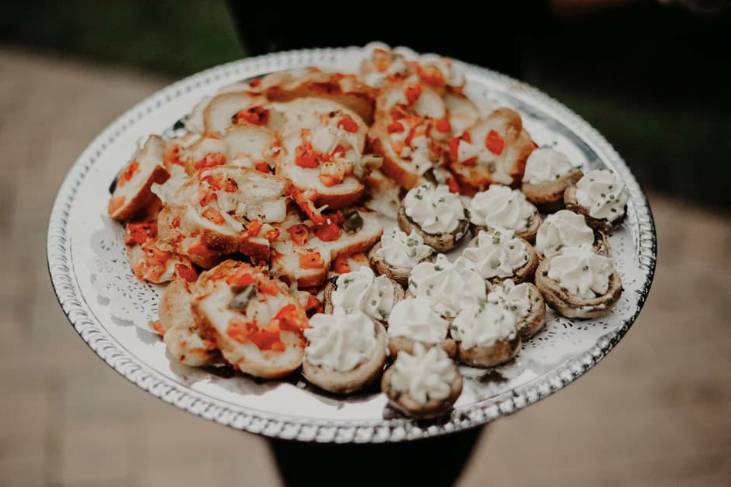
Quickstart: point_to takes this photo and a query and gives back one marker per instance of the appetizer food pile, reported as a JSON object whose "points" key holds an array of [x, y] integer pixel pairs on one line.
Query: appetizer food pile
{"points": [[302, 221]]}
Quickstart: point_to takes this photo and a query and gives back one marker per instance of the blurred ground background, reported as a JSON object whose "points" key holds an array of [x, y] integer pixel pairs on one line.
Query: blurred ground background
{"points": [[655, 412]]}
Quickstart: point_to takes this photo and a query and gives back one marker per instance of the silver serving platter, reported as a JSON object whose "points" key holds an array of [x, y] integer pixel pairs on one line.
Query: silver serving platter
{"points": [[111, 309]]}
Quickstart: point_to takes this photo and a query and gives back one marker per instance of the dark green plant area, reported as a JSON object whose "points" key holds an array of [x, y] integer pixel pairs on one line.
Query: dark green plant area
{"points": [[655, 81]]}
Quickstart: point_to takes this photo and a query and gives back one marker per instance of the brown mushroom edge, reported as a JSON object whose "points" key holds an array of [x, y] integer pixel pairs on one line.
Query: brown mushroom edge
{"points": [[601, 224], [353, 380], [571, 306], [441, 242], [433, 408], [395, 273], [398, 295], [486, 356], [548, 197]]}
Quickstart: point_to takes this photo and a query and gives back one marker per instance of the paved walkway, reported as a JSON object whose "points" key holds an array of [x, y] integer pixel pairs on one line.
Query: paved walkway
{"points": [[655, 412]]}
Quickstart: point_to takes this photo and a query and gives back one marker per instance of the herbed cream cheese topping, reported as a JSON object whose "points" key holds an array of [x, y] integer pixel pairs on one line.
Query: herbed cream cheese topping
{"points": [[545, 165], [498, 253], [449, 286], [581, 271], [340, 341], [563, 229], [424, 375], [401, 250], [434, 208], [603, 194], [414, 318], [362, 290], [484, 324], [514, 298], [502, 207]]}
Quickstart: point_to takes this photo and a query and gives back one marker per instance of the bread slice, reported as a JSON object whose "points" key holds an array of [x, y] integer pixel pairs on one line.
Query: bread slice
{"points": [[463, 113], [260, 335], [323, 150], [353, 380], [495, 149], [176, 234], [288, 254], [398, 117], [132, 194], [572, 306], [221, 111], [344, 89], [150, 260], [249, 145], [184, 340]]}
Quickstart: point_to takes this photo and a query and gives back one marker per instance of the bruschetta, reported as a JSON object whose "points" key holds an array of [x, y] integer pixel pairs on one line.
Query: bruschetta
{"points": [[254, 319]]}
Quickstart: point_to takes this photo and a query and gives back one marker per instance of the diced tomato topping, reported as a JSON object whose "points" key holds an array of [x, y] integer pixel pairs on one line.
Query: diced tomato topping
{"points": [[299, 233], [341, 265], [311, 259], [172, 155], [207, 198], [212, 181], [413, 92], [306, 205], [128, 173], [443, 125], [212, 215], [348, 124], [230, 186], [453, 184], [272, 234], [186, 273], [201, 250], [155, 256], [263, 338], [312, 302], [398, 113], [395, 128], [268, 287], [254, 115], [328, 232], [212, 159], [242, 278], [157, 328], [338, 151], [431, 75], [453, 144], [262, 166], [139, 233], [472, 161], [253, 228], [255, 82], [494, 142], [305, 156], [290, 318], [115, 204], [329, 180]]}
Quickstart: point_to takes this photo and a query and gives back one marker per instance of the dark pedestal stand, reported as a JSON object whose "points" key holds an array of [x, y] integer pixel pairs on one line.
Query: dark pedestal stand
{"points": [[434, 462]]}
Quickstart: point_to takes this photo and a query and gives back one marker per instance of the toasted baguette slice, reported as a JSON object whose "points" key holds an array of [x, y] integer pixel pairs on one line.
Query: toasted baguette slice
{"points": [[494, 150], [232, 208], [398, 118], [184, 340], [288, 256], [248, 145], [221, 111], [463, 113], [175, 234], [150, 259], [254, 319], [323, 150], [344, 89], [132, 195], [353, 380], [384, 194]]}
